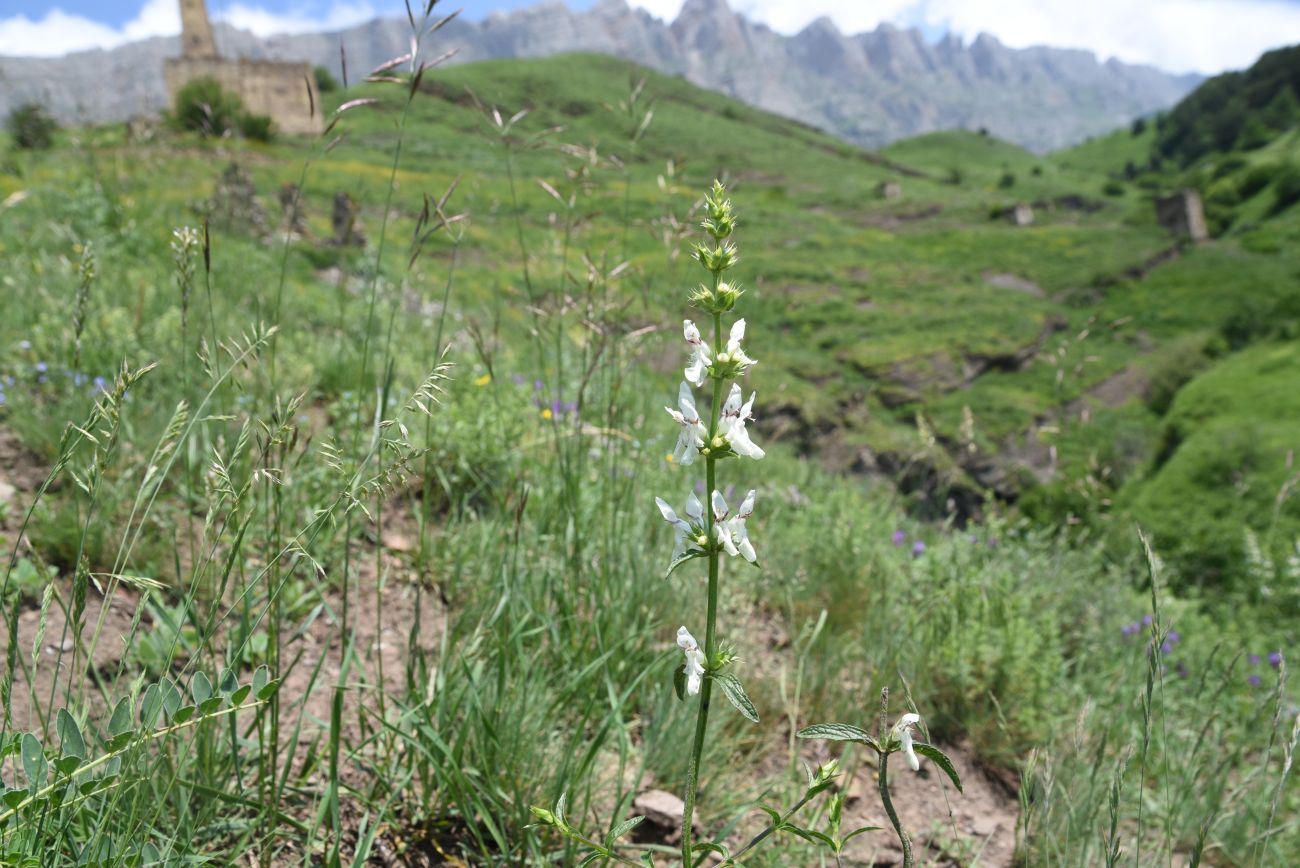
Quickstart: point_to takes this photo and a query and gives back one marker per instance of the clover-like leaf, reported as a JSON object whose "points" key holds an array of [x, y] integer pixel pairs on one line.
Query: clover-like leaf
{"points": [[736, 693], [150, 706], [200, 688], [237, 698], [123, 719], [34, 763], [71, 744], [940, 759], [268, 690]]}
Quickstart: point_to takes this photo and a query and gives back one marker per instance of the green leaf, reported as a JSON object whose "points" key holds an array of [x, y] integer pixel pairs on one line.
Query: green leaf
{"points": [[211, 704], [171, 696], [624, 827], [121, 740], [940, 759], [859, 831], [227, 682], [183, 714], [34, 764], [13, 798], [261, 675], [736, 693], [200, 688], [66, 765], [70, 741], [591, 859], [679, 682], [268, 690], [237, 698], [689, 556], [811, 835], [837, 732], [150, 706], [122, 720]]}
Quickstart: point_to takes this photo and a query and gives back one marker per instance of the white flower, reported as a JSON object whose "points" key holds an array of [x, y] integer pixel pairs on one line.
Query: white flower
{"points": [[729, 530], [697, 369], [903, 732], [693, 431], [732, 424], [694, 660], [687, 532], [733, 354]]}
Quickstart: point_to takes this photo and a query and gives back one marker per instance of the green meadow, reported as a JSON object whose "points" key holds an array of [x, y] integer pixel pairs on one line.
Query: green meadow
{"points": [[324, 553]]}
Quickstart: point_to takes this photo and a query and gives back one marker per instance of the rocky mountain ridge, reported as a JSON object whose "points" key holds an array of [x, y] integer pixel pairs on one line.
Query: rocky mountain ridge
{"points": [[869, 88]]}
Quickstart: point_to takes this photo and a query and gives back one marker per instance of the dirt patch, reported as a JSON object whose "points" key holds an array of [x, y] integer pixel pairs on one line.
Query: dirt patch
{"points": [[901, 217], [1003, 280]]}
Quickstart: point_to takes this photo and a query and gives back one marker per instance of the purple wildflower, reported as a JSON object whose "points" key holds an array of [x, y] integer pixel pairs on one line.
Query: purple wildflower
{"points": [[41, 367], [1166, 646], [1275, 659], [538, 385], [100, 385], [1254, 659], [1146, 620], [1174, 637], [900, 537], [1253, 681], [918, 549], [1181, 669], [518, 379], [1130, 629]]}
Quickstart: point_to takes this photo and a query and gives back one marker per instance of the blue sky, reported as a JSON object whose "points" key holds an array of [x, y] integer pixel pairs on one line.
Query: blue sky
{"points": [[1178, 35]]}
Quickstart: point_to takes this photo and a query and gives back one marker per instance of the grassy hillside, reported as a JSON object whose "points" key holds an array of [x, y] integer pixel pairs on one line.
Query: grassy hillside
{"points": [[453, 576]]}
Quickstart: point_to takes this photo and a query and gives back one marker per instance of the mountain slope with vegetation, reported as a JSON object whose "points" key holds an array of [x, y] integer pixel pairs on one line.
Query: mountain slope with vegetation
{"points": [[464, 613]]}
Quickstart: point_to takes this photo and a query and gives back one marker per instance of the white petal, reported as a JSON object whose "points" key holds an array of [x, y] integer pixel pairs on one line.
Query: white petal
{"points": [[747, 551], [738, 437], [694, 509], [737, 335], [747, 411], [719, 506], [909, 719], [685, 640], [666, 511], [906, 738], [722, 534], [746, 506], [732, 406], [690, 332]]}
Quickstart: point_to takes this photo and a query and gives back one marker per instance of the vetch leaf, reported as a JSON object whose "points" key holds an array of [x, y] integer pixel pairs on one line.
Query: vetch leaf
{"points": [[66, 765], [227, 682], [268, 690], [70, 741], [150, 706], [238, 697], [736, 693], [200, 688], [940, 759], [171, 696], [211, 704], [34, 764], [183, 714], [123, 717], [261, 675]]}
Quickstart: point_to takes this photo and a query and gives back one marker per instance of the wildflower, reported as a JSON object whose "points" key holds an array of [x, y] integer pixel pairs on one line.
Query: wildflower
{"points": [[1254, 659], [730, 529], [690, 534], [1174, 637], [41, 367], [694, 660], [918, 549], [1146, 620], [1275, 659], [100, 385], [547, 414], [517, 379], [1130, 629], [1253, 681], [903, 732], [900, 537], [700, 360], [483, 380], [731, 427], [693, 431], [733, 356]]}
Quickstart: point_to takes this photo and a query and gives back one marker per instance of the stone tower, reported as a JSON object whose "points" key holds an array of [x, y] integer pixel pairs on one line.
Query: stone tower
{"points": [[284, 92], [196, 30]]}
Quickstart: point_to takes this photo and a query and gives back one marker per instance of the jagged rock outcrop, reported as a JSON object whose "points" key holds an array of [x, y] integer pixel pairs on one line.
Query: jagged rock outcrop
{"points": [[869, 88]]}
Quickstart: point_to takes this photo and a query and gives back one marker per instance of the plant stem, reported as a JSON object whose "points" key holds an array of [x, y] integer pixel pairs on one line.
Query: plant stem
{"points": [[710, 633]]}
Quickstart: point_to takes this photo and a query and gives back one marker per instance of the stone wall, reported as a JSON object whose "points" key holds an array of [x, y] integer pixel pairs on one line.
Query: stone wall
{"points": [[278, 90]]}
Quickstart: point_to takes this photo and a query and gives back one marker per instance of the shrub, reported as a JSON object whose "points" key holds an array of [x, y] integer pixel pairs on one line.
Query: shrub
{"points": [[1007, 180], [325, 80], [207, 108], [256, 127], [1286, 191], [31, 127], [1113, 188], [1257, 178]]}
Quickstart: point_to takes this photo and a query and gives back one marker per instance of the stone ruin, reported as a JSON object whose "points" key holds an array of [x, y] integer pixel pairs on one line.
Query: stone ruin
{"points": [[346, 222], [889, 190], [234, 203], [1021, 215], [1183, 215], [284, 92]]}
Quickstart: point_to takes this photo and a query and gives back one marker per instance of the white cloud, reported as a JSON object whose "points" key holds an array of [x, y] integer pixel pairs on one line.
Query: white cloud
{"points": [[1176, 35], [59, 33]]}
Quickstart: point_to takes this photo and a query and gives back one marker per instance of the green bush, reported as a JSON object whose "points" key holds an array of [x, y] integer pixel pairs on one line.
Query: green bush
{"points": [[325, 80], [1113, 188], [1007, 180], [31, 127], [207, 108], [255, 127], [1286, 191]]}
